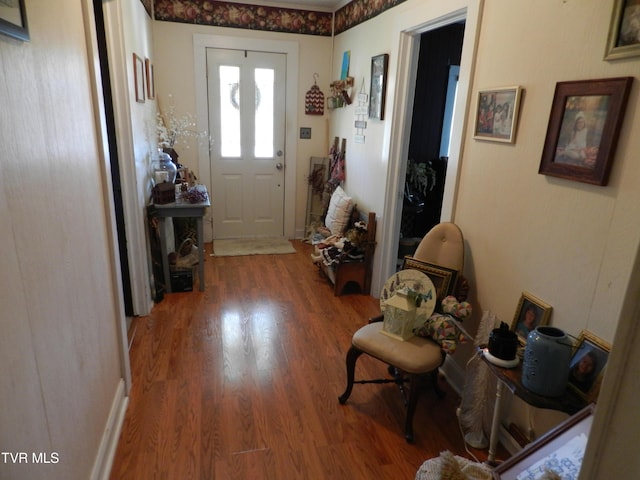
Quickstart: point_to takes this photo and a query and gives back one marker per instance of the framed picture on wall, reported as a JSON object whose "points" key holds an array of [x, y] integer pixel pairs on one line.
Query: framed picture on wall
{"points": [[13, 19], [138, 78], [379, 66], [497, 114], [583, 130], [151, 82], [624, 30], [530, 313]]}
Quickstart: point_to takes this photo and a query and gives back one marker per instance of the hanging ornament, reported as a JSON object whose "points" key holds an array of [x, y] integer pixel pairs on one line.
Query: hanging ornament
{"points": [[314, 100]]}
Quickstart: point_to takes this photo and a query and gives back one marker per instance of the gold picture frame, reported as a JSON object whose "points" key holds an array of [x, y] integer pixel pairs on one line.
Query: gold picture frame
{"points": [[497, 112], [587, 365], [444, 279], [138, 78], [624, 30], [530, 313]]}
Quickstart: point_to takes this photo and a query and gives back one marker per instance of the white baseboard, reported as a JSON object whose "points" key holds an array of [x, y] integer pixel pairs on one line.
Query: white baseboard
{"points": [[106, 451]]}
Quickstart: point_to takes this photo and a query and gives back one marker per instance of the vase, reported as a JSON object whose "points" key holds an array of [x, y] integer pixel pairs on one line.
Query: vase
{"points": [[545, 368], [163, 169]]}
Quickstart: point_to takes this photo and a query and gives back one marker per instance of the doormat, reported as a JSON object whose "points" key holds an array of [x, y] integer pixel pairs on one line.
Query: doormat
{"points": [[251, 246]]}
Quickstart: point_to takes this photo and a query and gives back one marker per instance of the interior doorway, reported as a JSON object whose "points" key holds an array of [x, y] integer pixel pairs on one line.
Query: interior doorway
{"points": [[432, 118]]}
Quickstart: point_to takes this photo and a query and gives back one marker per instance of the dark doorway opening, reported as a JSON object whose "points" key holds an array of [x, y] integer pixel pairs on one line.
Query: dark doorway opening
{"points": [[439, 59]]}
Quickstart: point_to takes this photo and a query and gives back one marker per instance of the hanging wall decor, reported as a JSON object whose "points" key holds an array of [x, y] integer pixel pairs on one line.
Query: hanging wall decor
{"points": [[314, 100], [379, 65], [13, 19]]}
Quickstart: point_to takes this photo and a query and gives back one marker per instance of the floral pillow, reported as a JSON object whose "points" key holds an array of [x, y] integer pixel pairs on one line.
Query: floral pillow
{"points": [[443, 329]]}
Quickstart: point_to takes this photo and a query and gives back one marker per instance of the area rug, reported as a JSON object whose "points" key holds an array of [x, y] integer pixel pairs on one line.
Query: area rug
{"points": [[252, 246]]}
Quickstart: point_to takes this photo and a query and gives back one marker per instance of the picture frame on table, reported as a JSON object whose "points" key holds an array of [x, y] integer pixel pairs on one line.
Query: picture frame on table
{"points": [[587, 365], [560, 451], [138, 78], [530, 313], [624, 30], [13, 19], [584, 126], [379, 67], [443, 279], [497, 112]]}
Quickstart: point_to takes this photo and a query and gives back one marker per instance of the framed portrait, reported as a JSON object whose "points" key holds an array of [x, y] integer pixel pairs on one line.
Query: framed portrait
{"points": [[138, 78], [624, 30], [379, 66], [444, 279], [531, 313], [151, 81], [584, 125], [559, 451], [587, 366], [497, 114], [13, 19]]}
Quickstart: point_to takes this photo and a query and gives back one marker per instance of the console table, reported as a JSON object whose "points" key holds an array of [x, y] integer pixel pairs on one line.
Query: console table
{"points": [[569, 402], [183, 208]]}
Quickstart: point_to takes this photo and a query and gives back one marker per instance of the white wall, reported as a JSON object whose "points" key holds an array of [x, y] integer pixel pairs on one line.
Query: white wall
{"points": [[174, 62], [61, 308], [571, 244]]}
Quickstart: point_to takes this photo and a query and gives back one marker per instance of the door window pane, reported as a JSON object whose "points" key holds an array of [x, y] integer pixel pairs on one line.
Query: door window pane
{"points": [[229, 111], [264, 112]]}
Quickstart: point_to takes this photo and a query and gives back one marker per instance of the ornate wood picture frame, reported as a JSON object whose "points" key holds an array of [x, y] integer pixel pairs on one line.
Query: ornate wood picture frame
{"points": [[584, 126]]}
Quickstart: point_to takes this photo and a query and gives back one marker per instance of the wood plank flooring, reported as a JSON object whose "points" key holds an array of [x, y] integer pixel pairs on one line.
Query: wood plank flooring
{"points": [[241, 381]]}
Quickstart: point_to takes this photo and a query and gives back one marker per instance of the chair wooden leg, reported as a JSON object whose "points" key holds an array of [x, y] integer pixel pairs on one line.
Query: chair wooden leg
{"points": [[415, 388], [352, 356]]}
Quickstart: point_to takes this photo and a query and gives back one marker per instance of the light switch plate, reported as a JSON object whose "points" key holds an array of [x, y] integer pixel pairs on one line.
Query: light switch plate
{"points": [[305, 132]]}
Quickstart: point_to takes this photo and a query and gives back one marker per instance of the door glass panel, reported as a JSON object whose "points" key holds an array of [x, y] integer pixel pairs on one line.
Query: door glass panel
{"points": [[229, 111], [264, 81]]}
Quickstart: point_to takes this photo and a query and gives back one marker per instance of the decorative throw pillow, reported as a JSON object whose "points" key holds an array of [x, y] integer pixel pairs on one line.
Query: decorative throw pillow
{"points": [[443, 329], [339, 211]]}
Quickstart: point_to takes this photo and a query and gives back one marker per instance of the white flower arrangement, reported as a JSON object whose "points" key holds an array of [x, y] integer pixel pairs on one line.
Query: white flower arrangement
{"points": [[172, 130]]}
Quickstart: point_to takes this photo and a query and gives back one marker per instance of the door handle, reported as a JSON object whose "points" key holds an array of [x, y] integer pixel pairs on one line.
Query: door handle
{"points": [[279, 166], [279, 153]]}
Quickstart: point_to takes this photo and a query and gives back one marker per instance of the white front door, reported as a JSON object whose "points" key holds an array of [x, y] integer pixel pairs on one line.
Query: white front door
{"points": [[246, 95]]}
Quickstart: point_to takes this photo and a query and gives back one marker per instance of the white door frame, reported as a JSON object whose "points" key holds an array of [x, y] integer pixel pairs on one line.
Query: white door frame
{"points": [[408, 50], [200, 44]]}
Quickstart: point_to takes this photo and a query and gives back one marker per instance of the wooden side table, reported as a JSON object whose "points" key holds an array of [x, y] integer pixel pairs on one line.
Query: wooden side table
{"points": [[569, 402], [183, 208]]}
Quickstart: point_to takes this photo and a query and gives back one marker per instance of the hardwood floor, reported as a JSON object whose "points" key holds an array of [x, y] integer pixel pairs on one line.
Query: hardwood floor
{"points": [[241, 381]]}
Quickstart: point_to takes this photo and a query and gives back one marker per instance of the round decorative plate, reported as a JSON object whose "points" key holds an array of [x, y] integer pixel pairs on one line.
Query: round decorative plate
{"points": [[416, 281]]}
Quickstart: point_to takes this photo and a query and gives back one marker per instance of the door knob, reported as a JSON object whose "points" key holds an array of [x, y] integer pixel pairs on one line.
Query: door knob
{"points": [[279, 153], [279, 166]]}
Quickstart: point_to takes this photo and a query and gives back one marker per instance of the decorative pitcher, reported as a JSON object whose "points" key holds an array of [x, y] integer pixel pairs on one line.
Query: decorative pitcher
{"points": [[545, 368]]}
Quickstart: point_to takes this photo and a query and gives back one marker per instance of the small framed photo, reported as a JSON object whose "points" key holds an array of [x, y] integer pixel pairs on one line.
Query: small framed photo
{"points": [[587, 365], [379, 67], [584, 125], [624, 30], [531, 313], [497, 114], [13, 19], [138, 78], [444, 279], [151, 81]]}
